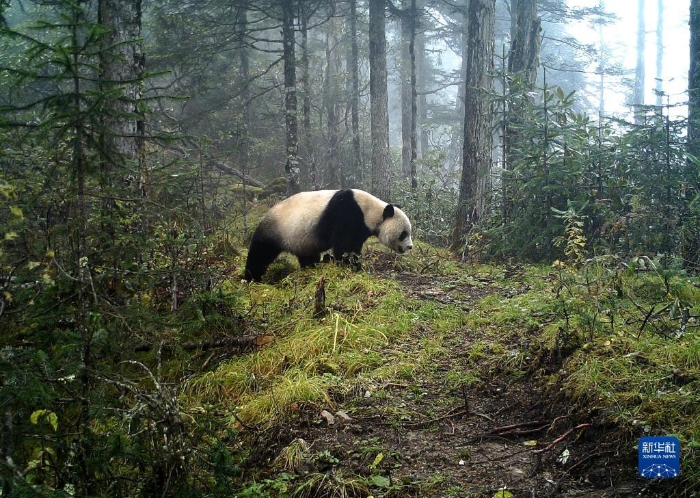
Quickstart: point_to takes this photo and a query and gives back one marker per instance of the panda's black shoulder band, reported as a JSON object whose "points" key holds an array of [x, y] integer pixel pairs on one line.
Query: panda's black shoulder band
{"points": [[388, 211]]}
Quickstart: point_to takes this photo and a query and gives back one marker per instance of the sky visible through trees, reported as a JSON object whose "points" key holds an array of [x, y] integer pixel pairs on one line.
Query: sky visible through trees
{"points": [[619, 41]]}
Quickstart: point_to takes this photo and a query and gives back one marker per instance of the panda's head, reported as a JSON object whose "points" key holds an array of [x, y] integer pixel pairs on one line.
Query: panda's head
{"points": [[395, 230]]}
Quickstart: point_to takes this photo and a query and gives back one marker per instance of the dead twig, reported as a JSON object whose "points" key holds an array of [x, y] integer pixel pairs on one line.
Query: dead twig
{"points": [[562, 438]]}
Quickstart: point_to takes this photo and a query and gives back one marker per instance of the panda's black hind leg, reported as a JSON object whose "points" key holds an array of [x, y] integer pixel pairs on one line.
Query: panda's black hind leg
{"points": [[260, 255]]}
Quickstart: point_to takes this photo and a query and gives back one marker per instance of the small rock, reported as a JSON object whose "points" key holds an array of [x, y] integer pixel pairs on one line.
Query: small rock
{"points": [[344, 417], [330, 419]]}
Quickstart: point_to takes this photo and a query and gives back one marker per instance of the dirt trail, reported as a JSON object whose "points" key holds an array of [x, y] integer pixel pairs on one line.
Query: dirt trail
{"points": [[437, 441]]}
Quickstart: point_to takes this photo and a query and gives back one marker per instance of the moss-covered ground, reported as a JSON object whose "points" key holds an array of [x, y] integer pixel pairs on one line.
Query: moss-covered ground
{"points": [[422, 376]]}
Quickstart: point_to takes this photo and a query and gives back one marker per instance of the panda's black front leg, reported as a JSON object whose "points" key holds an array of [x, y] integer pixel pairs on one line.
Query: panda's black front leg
{"points": [[349, 254], [308, 260]]}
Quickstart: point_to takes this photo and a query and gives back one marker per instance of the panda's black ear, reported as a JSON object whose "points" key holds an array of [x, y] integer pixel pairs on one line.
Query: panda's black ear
{"points": [[388, 211]]}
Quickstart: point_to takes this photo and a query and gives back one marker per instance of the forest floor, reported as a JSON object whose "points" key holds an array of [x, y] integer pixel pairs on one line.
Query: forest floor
{"points": [[423, 436]]}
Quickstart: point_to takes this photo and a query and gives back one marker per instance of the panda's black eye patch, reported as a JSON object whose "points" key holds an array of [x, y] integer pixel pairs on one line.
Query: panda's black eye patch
{"points": [[403, 235]]}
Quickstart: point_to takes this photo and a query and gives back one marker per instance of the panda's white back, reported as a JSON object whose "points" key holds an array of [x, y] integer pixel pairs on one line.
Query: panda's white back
{"points": [[295, 219]]}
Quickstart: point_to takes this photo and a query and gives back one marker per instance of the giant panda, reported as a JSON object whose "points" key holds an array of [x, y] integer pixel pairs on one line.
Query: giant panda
{"points": [[309, 223]]}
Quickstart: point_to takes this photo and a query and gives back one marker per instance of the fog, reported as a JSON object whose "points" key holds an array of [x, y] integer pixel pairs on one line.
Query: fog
{"points": [[618, 41]]}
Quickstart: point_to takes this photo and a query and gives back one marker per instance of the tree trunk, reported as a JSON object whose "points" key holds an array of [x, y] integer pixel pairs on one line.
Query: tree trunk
{"points": [[409, 111], [414, 96], [639, 74], [356, 173], [309, 154], [694, 81], [122, 62], [690, 239], [291, 166], [421, 99], [330, 100], [244, 97], [455, 153], [122, 67], [379, 101], [476, 150], [405, 21], [525, 41]]}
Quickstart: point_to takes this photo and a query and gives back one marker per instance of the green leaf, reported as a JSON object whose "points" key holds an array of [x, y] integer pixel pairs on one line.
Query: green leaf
{"points": [[34, 417], [50, 416], [377, 460], [16, 211], [53, 420], [380, 482]]}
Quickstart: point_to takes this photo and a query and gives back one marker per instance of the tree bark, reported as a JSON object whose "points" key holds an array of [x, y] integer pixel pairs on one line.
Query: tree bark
{"points": [[694, 81], [421, 100], [405, 21], [409, 111], [244, 134], [335, 176], [414, 96], [476, 150], [690, 242], [291, 166], [122, 68], [525, 40], [356, 173], [379, 101], [309, 155]]}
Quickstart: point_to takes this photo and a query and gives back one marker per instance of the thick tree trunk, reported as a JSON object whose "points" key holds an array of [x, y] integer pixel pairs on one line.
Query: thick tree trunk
{"points": [[122, 68], [122, 62], [690, 242], [291, 166], [525, 40], [694, 81], [476, 151], [379, 101]]}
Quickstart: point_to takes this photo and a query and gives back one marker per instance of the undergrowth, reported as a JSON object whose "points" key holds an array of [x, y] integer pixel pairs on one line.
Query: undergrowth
{"points": [[616, 340]]}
